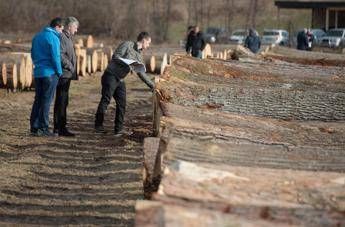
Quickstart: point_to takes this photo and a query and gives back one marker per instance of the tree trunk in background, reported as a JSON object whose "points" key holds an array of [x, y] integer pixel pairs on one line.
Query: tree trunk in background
{"points": [[208, 13], [189, 13], [254, 11], [167, 4], [251, 15], [131, 20]]}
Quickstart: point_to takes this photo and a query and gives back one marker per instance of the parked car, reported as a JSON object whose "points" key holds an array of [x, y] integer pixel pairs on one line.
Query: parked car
{"points": [[318, 35], [275, 36], [334, 38], [215, 35], [238, 36]]}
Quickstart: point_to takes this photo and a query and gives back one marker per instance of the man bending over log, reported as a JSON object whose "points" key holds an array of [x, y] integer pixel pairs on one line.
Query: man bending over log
{"points": [[113, 84]]}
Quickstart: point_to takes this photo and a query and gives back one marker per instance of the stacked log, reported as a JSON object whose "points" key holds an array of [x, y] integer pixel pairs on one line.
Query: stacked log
{"points": [[161, 61], [3, 76], [150, 63], [12, 76], [304, 57], [86, 41], [207, 52], [221, 161], [16, 61], [28, 68], [15, 48]]}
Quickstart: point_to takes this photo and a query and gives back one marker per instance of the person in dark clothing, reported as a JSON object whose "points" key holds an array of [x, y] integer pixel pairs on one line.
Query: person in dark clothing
{"points": [[195, 43], [302, 40], [252, 41], [69, 72], [113, 84]]}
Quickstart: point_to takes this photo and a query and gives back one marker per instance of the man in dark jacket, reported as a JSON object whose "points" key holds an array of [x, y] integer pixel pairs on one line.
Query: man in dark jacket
{"points": [[69, 69], [113, 84], [195, 43], [302, 40], [252, 41]]}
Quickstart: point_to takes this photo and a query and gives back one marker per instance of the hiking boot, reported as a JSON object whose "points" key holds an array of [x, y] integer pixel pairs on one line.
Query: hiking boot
{"points": [[45, 133], [65, 132], [100, 129]]}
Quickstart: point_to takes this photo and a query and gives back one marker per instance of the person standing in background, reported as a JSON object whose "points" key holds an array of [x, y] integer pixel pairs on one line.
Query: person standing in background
{"points": [[195, 43], [252, 41]]}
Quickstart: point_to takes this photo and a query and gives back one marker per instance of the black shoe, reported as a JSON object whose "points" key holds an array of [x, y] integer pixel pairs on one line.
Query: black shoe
{"points": [[65, 132], [100, 129], [33, 131]]}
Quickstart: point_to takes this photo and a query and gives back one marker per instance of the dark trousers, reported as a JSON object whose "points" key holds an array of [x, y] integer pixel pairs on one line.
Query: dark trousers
{"points": [[112, 87], [61, 103], [44, 94]]}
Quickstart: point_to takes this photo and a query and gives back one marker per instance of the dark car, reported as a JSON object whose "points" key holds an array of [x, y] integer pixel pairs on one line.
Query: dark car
{"points": [[215, 35]]}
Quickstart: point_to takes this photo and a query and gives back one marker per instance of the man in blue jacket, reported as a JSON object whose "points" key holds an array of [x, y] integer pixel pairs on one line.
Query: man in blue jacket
{"points": [[45, 54]]}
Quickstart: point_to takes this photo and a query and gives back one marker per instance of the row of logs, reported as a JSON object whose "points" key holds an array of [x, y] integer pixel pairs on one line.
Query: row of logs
{"points": [[16, 70], [91, 60]]}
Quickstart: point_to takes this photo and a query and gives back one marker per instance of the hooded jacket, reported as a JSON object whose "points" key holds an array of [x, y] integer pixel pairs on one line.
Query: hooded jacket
{"points": [[45, 53]]}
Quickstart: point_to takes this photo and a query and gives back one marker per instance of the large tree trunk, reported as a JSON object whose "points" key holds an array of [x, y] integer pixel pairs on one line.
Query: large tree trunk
{"points": [[282, 90]]}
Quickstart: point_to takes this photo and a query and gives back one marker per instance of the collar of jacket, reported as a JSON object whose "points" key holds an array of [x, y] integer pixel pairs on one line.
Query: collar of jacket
{"points": [[136, 47], [67, 33], [50, 29]]}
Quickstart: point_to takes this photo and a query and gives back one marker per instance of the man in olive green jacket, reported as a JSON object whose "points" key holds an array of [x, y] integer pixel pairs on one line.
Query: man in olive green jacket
{"points": [[113, 84]]}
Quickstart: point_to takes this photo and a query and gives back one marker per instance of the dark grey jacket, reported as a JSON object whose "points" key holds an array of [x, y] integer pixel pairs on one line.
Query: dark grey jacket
{"points": [[253, 43], [119, 69], [68, 57]]}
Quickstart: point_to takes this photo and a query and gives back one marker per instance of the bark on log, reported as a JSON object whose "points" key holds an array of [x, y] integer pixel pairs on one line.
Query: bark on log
{"points": [[203, 135], [108, 51], [284, 91], [88, 66], [152, 165], [100, 60], [15, 48], [82, 62], [305, 57], [12, 76], [262, 194]]}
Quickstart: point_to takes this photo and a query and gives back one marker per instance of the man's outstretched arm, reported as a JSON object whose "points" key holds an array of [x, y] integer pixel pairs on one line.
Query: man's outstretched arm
{"points": [[146, 80]]}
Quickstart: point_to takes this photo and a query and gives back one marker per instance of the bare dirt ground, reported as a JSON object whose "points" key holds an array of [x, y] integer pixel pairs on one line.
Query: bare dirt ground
{"points": [[91, 179]]}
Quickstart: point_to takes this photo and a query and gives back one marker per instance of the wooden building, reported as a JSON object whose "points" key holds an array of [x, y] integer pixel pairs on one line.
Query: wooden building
{"points": [[326, 14]]}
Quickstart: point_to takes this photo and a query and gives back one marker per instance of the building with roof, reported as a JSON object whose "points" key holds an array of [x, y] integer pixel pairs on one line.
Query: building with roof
{"points": [[326, 14]]}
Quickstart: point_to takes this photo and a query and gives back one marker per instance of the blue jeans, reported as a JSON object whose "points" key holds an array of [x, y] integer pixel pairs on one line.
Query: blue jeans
{"points": [[44, 94]]}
